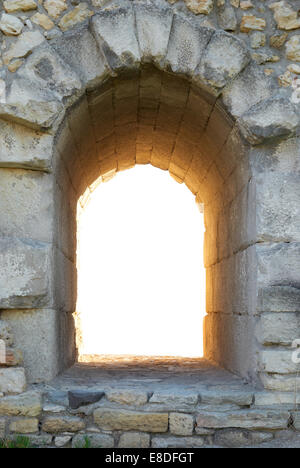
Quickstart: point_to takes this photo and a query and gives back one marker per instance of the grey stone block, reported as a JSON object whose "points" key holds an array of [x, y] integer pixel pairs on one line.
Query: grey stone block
{"points": [[153, 30], [78, 48], [224, 58], [274, 117], [187, 44], [79, 398], [249, 88], [115, 32], [25, 276]]}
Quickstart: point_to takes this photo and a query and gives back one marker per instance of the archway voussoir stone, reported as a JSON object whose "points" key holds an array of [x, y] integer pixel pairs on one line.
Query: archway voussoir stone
{"points": [[153, 25], [79, 49], [271, 118], [224, 58], [187, 43], [44, 69], [115, 33], [249, 88]]}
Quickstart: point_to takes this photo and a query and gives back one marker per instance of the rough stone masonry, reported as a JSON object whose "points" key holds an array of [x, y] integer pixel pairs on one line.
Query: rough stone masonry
{"points": [[208, 90]]}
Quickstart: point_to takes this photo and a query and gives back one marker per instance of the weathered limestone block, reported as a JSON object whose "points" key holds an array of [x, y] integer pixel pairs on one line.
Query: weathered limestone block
{"points": [[177, 442], [27, 404], [278, 210], [80, 50], [257, 419], [24, 276], [36, 333], [26, 204], [236, 438], [96, 440], [293, 48], [181, 424], [267, 398], [12, 380], [62, 441], [24, 426], [227, 17], [278, 264], [24, 148], [134, 440], [12, 6], [278, 39], [115, 33], [285, 17], [257, 40], [113, 419], [249, 88], [80, 13], [45, 69], [274, 117], [252, 23], [175, 398], [200, 7], [35, 115], [223, 397], [10, 25], [281, 383], [42, 20], [279, 299], [224, 58], [56, 424], [153, 30], [127, 397], [277, 361], [24, 45], [55, 7], [279, 329], [187, 43]]}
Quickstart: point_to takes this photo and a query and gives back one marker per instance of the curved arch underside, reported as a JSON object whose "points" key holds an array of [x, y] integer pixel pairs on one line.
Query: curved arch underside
{"points": [[152, 117]]}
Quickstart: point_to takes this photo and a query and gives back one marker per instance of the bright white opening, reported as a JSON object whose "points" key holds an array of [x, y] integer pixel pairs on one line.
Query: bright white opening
{"points": [[141, 284]]}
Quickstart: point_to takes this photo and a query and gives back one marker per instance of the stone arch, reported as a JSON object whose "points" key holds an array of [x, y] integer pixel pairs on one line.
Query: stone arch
{"points": [[142, 84]]}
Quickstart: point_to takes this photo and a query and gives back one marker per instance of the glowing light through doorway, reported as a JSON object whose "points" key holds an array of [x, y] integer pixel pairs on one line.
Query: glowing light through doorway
{"points": [[141, 283]]}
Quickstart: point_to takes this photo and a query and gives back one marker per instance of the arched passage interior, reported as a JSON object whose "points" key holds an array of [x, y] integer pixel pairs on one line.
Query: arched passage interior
{"points": [[153, 117]]}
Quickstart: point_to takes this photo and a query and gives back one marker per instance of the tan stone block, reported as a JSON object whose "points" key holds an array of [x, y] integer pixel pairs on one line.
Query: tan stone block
{"points": [[134, 440], [55, 7], [252, 23], [24, 426], [75, 16], [200, 7], [55, 424], [42, 20], [26, 404], [19, 5], [127, 397], [181, 424], [113, 419]]}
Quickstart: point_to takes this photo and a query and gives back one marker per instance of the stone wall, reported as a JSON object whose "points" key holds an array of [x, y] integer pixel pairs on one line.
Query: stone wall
{"points": [[137, 419], [270, 29], [96, 89]]}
